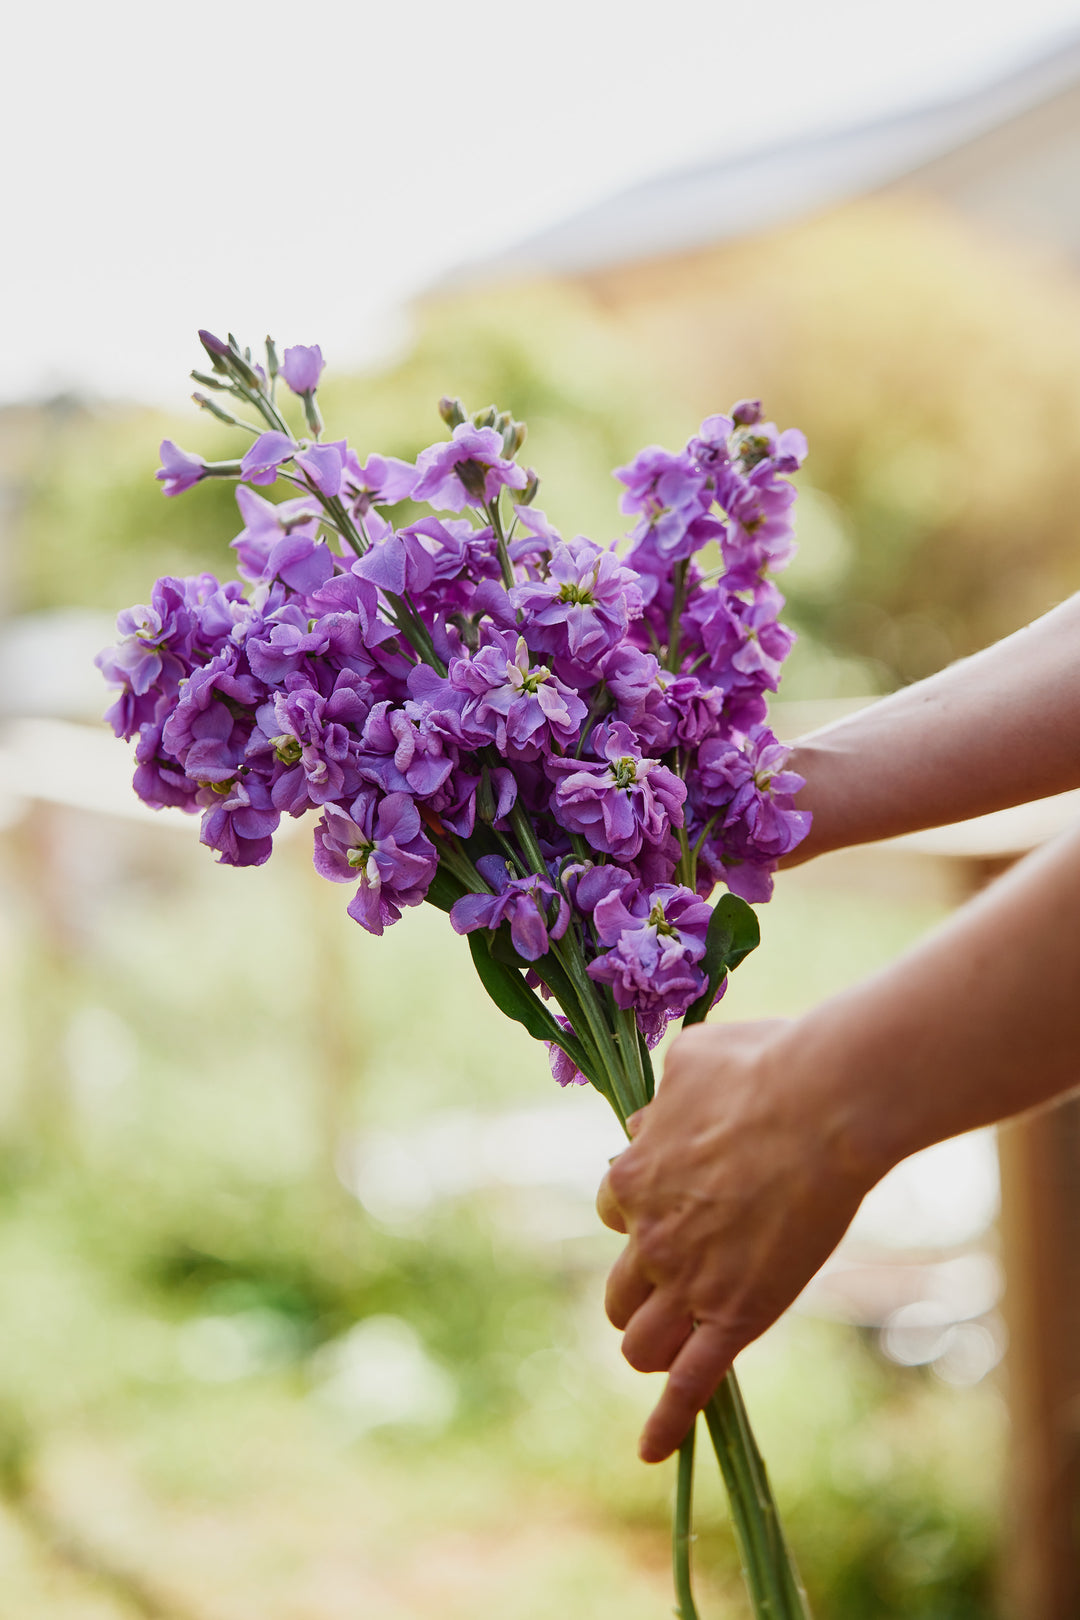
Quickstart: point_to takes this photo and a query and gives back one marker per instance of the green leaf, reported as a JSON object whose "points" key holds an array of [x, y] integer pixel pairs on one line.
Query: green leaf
{"points": [[508, 990], [733, 934]]}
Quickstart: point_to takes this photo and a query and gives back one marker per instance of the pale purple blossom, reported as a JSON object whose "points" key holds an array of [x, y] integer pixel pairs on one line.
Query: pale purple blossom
{"points": [[520, 706], [469, 470], [381, 841], [656, 941], [381, 481], [533, 907], [302, 367], [583, 606], [324, 465], [748, 788], [239, 820], [672, 494], [179, 469], [619, 802], [263, 458]]}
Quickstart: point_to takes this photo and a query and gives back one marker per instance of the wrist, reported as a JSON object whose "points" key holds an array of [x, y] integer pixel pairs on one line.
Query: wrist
{"points": [[851, 1105], [817, 766]]}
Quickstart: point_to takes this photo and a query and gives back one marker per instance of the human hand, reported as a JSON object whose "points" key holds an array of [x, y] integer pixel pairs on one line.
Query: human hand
{"points": [[736, 1187]]}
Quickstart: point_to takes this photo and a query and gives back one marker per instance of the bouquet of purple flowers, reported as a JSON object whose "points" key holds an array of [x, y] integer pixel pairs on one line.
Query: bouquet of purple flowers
{"points": [[563, 745]]}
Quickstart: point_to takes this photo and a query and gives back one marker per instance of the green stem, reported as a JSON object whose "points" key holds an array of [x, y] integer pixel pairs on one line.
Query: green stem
{"points": [[678, 602], [771, 1577], [500, 543], [682, 1534], [626, 1033]]}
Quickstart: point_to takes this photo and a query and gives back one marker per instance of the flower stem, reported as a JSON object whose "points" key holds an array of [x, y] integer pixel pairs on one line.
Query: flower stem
{"points": [[776, 1591], [682, 1535], [505, 564]]}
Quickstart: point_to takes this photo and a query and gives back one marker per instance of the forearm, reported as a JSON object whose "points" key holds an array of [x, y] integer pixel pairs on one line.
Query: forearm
{"points": [[998, 729], [979, 1022]]}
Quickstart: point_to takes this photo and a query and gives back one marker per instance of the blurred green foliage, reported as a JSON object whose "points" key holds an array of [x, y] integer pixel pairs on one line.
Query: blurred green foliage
{"points": [[191, 1050], [936, 373]]}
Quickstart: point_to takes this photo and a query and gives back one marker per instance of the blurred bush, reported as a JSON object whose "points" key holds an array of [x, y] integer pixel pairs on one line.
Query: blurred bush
{"points": [[936, 373]]}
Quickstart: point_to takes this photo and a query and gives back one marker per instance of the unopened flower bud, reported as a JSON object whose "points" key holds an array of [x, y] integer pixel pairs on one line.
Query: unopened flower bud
{"points": [[240, 363], [207, 380], [287, 749], [452, 411], [215, 409], [746, 412], [218, 351], [513, 437], [226, 358], [272, 363], [485, 418], [532, 488]]}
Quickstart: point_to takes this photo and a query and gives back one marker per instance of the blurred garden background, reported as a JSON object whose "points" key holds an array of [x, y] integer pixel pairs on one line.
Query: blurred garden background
{"points": [[300, 1283]]}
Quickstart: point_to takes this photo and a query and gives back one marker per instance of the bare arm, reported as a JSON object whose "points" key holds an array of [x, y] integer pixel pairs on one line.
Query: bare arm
{"points": [[997, 729], [747, 1168]]}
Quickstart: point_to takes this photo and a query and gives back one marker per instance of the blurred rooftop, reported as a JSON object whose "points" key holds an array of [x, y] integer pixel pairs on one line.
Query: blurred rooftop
{"points": [[1007, 153]]}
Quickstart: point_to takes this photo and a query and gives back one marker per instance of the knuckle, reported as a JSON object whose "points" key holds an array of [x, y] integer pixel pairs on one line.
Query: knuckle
{"points": [[689, 1388], [654, 1248], [622, 1178]]}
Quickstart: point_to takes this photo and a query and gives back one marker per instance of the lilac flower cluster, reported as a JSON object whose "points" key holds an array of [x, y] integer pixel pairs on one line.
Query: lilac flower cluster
{"points": [[570, 736]]}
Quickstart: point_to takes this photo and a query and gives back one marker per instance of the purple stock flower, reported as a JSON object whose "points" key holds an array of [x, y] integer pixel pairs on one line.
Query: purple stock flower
{"points": [[179, 469], [324, 465], [213, 715], [469, 470], [655, 939], [760, 532], [302, 367], [262, 459], [410, 693], [380, 840], [521, 707], [582, 609], [266, 525], [671, 492], [745, 793], [314, 739], [525, 903], [159, 779], [744, 642], [756, 443], [620, 805], [709, 447], [239, 820], [186, 620], [381, 481], [402, 755], [563, 1068]]}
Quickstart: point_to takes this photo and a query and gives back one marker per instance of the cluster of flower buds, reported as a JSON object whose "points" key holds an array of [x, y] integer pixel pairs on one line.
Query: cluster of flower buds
{"points": [[562, 743]]}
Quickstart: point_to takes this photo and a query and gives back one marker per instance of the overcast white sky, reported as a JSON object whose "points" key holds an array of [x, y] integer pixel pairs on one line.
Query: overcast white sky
{"points": [[304, 170]]}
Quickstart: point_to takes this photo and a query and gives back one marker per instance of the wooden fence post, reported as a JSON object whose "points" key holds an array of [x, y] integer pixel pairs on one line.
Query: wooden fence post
{"points": [[1040, 1226]]}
